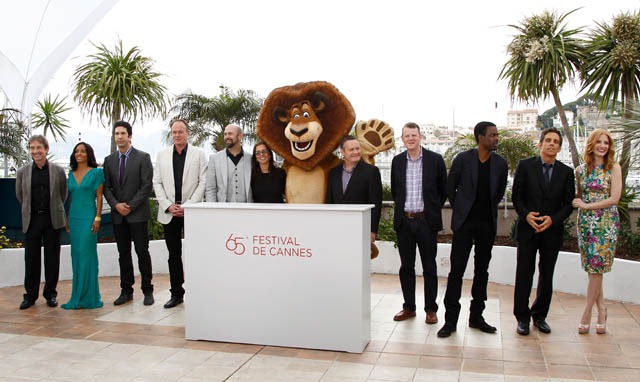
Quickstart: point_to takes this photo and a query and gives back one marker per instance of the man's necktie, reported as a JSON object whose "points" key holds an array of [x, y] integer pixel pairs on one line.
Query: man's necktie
{"points": [[123, 158], [547, 172]]}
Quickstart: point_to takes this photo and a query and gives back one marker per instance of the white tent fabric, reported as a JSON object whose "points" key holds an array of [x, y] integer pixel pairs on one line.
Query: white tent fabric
{"points": [[37, 37]]}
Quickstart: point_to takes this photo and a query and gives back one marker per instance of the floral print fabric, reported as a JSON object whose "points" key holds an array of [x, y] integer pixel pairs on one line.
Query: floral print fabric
{"points": [[597, 229]]}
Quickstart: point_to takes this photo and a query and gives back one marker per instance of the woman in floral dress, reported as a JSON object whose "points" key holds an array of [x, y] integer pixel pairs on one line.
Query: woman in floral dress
{"points": [[599, 184]]}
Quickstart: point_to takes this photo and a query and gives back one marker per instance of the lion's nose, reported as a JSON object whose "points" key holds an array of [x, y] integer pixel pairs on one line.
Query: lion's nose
{"points": [[300, 132]]}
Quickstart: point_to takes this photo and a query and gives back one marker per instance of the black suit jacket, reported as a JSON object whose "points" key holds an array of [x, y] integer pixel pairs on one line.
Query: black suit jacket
{"points": [[136, 185], [462, 184], [434, 181], [531, 194], [364, 187]]}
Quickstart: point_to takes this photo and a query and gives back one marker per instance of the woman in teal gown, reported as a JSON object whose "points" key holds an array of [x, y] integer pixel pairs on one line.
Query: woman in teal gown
{"points": [[85, 183]]}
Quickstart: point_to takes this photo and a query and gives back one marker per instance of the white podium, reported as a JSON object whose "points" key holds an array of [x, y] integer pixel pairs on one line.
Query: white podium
{"points": [[278, 274]]}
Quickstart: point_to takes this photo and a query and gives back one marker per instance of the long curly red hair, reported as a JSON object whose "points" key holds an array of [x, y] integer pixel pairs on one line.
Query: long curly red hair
{"points": [[609, 158]]}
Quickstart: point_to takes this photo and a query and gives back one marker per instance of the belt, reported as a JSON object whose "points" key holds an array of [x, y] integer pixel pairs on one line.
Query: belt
{"points": [[40, 212], [414, 215]]}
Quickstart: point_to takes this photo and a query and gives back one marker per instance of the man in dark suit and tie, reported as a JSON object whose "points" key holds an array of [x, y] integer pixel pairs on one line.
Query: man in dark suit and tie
{"points": [[128, 175], [475, 186], [356, 182], [41, 189], [543, 189], [418, 185]]}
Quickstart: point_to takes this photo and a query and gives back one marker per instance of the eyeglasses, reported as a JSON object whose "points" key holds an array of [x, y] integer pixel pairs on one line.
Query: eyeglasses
{"points": [[262, 152]]}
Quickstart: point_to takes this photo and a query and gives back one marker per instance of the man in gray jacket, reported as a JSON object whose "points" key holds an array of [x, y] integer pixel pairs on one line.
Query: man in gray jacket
{"points": [[229, 171], [41, 189]]}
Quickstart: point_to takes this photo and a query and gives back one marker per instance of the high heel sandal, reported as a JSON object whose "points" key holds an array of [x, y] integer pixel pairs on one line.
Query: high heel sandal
{"points": [[602, 328], [583, 329]]}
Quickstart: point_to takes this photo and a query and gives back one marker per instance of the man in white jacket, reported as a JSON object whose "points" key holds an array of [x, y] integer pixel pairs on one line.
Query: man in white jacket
{"points": [[179, 178]]}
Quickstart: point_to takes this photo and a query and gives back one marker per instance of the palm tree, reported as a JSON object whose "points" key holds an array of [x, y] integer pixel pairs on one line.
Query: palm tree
{"points": [[612, 69], [14, 132], [118, 84], [49, 116], [544, 55], [512, 146], [209, 116]]}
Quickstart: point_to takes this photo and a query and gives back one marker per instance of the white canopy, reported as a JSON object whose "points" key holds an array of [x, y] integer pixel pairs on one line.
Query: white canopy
{"points": [[36, 37]]}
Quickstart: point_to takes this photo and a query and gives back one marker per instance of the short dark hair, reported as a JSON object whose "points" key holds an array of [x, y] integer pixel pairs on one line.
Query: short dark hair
{"points": [[124, 124], [40, 139], [550, 130], [481, 129], [91, 156], [346, 139]]}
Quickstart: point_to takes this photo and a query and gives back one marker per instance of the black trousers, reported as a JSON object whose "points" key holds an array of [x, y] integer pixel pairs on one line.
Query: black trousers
{"points": [[139, 233], [173, 239], [412, 232], [39, 233], [524, 279], [480, 234]]}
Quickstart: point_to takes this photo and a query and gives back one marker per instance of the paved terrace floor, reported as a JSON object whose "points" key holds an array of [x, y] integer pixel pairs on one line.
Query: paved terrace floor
{"points": [[139, 343]]}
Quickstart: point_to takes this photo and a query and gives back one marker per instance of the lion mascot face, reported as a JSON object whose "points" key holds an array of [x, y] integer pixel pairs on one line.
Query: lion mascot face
{"points": [[303, 123]]}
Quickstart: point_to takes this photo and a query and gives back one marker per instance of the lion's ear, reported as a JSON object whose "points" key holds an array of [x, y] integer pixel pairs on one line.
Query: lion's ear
{"points": [[320, 102], [280, 115]]}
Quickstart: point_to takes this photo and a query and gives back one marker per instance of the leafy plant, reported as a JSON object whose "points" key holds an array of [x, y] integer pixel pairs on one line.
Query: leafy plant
{"points": [[385, 228], [49, 116], [386, 192], [5, 242], [117, 84], [156, 231]]}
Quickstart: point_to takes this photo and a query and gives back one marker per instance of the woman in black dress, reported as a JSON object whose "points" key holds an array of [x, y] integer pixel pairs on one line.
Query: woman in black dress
{"points": [[267, 180]]}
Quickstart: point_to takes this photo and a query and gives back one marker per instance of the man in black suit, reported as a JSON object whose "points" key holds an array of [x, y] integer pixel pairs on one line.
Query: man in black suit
{"points": [[543, 189], [128, 175], [418, 186], [475, 186], [356, 182]]}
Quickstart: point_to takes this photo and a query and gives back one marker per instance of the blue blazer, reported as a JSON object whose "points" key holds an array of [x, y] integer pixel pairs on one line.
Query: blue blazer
{"points": [[462, 184], [434, 181]]}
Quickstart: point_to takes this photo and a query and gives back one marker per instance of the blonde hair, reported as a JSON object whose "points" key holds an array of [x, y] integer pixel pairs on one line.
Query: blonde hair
{"points": [[609, 158]]}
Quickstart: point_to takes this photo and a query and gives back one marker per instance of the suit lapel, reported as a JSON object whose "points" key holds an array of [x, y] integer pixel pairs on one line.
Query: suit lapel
{"points": [[132, 156], [474, 165], [187, 163]]}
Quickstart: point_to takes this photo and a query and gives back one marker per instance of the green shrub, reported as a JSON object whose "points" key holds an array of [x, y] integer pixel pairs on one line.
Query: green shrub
{"points": [[156, 231], [5, 242], [386, 192]]}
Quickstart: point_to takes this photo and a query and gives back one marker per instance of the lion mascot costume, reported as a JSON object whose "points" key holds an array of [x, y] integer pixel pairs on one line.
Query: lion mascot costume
{"points": [[303, 124]]}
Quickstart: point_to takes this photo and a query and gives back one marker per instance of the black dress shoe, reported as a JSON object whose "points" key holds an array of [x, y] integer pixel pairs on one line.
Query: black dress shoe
{"points": [[446, 330], [148, 299], [173, 302], [523, 328], [52, 302], [542, 326], [123, 298], [482, 325], [26, 304]]}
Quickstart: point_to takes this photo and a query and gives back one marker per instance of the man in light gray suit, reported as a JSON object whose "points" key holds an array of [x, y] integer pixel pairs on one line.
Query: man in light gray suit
{"points": [[128, 175], [41, 189], [178, 179], [229, 171]]}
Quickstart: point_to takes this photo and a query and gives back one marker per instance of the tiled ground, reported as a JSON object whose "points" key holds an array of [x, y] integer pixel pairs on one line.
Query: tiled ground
{"points": [[138, 343]]}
